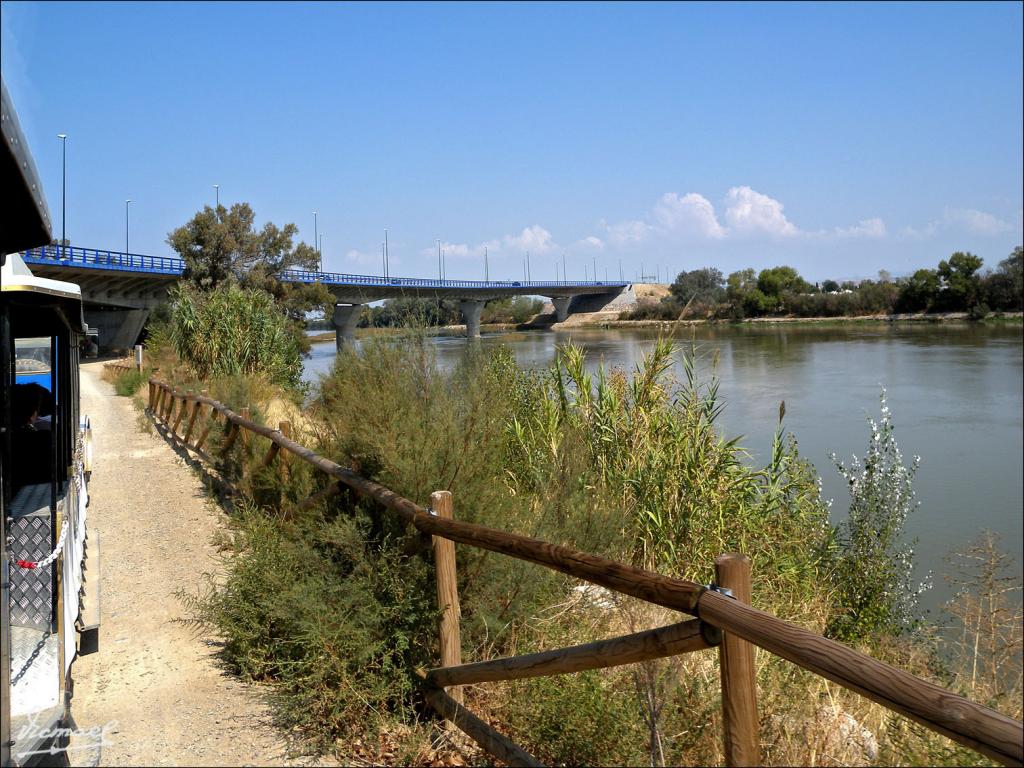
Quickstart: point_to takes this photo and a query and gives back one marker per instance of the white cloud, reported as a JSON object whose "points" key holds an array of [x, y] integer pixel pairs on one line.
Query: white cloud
{"points": [[691, 212], [978, 222], [626, 232], [589, 243], [962, 220], [751, 211], [371, 260], [534, 239], [871, 228]]}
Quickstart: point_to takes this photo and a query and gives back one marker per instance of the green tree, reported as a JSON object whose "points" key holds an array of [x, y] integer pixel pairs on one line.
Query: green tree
{"points": [[746, 298], [1004, 288], [919, 291], [830, 286], [702, 286], [961, 284], [221, 244], [780, 280]]}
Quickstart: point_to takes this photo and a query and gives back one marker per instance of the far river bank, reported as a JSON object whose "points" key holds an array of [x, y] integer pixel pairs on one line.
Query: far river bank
{"points": [[600, 320]]}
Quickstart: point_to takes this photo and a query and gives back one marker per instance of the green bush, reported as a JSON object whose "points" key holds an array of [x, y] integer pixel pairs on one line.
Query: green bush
{"points": [[231, 331], [128, 383], [875, 592]]}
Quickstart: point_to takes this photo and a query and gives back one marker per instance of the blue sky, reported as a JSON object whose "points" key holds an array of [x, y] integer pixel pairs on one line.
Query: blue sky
{"points": [[837, 138]]}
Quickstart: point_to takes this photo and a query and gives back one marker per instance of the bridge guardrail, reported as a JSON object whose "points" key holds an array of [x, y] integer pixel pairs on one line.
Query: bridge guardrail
{"points": [[92, 258], [723, 617]]}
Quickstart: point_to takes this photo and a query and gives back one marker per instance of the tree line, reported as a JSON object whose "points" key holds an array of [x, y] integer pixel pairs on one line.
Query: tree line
{"points": [[957, 284]]}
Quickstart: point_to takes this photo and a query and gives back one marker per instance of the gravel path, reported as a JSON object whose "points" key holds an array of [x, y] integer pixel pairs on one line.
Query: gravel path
{"points": [[157, 678]]}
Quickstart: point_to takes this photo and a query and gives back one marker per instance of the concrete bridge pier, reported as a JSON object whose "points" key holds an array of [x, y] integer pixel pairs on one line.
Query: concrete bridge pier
{"points": [[119, 329], [471, 315], [345, 319], [561, 304]]}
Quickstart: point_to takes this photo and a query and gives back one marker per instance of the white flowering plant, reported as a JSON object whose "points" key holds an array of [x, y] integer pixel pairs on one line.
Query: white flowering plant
{"points": [[874, 562]]}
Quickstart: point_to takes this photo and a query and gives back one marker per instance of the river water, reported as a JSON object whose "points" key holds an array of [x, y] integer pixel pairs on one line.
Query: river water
{"points": [[955, 392]]}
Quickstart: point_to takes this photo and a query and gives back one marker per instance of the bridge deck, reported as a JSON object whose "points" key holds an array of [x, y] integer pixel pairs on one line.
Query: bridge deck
{"points": [[162, 269]]}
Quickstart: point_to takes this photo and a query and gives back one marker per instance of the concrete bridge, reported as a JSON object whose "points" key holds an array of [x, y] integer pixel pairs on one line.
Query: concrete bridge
{"points": [[120, 289]]}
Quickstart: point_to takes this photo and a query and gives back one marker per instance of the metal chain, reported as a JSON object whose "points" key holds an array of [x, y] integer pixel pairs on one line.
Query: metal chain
{"points": [[35, 653], [78, 475], [30, 565]]}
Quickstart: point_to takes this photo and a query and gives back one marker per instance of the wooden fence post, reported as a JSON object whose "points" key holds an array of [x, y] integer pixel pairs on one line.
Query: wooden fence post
{"points": [[209, 422], [192, 420], [245, 414], [739, 682], [181, 410], [285, 427], [447, 591]]}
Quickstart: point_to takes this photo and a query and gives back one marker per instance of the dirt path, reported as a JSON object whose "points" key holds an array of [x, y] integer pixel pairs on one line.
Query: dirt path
{"points": [[158, 679]]}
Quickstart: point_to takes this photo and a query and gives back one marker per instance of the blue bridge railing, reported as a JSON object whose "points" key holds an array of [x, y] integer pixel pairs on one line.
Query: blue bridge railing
{"points": [[117, 261]]}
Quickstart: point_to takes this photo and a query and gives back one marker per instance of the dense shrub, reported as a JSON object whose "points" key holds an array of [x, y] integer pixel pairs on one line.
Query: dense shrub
{"points": [[231, 331], [335, 604], [127, 384]]}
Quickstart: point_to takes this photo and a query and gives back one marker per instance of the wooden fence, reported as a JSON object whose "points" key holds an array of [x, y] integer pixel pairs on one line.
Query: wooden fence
{"points": [[120, 367], [723, 616]]}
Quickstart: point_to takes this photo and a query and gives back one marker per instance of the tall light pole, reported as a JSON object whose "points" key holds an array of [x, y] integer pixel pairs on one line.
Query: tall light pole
{"points": [[386, 254], [564, 278], [621, 280], [595, 267], [63, 190], [528, 275], [487, 270], [216, 191], [126, 204], [440, 272], [315, 237]]}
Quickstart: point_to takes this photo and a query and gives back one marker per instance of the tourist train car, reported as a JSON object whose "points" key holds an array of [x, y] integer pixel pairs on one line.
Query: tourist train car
{"points": [[48, 606]]}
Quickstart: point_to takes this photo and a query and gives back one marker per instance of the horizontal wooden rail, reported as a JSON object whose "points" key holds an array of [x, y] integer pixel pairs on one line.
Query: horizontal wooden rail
{"points": [[489, 739], [989, 732], [641, 646], [973, 725]]}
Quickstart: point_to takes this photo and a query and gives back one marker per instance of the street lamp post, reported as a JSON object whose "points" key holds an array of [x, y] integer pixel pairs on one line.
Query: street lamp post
{"points": [[487, 270], [216, 190], [127, 203], [315, 237], [63, 190], [440, 271]]}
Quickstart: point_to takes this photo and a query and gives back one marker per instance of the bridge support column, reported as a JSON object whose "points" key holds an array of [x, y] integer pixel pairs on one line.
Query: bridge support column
{"points": [[345, 319], [119, 329], [471, 310], [561, 307]]}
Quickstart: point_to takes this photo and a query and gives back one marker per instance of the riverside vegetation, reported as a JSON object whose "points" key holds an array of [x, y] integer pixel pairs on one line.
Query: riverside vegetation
{"points": [[958, 284], [332, 603]]}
